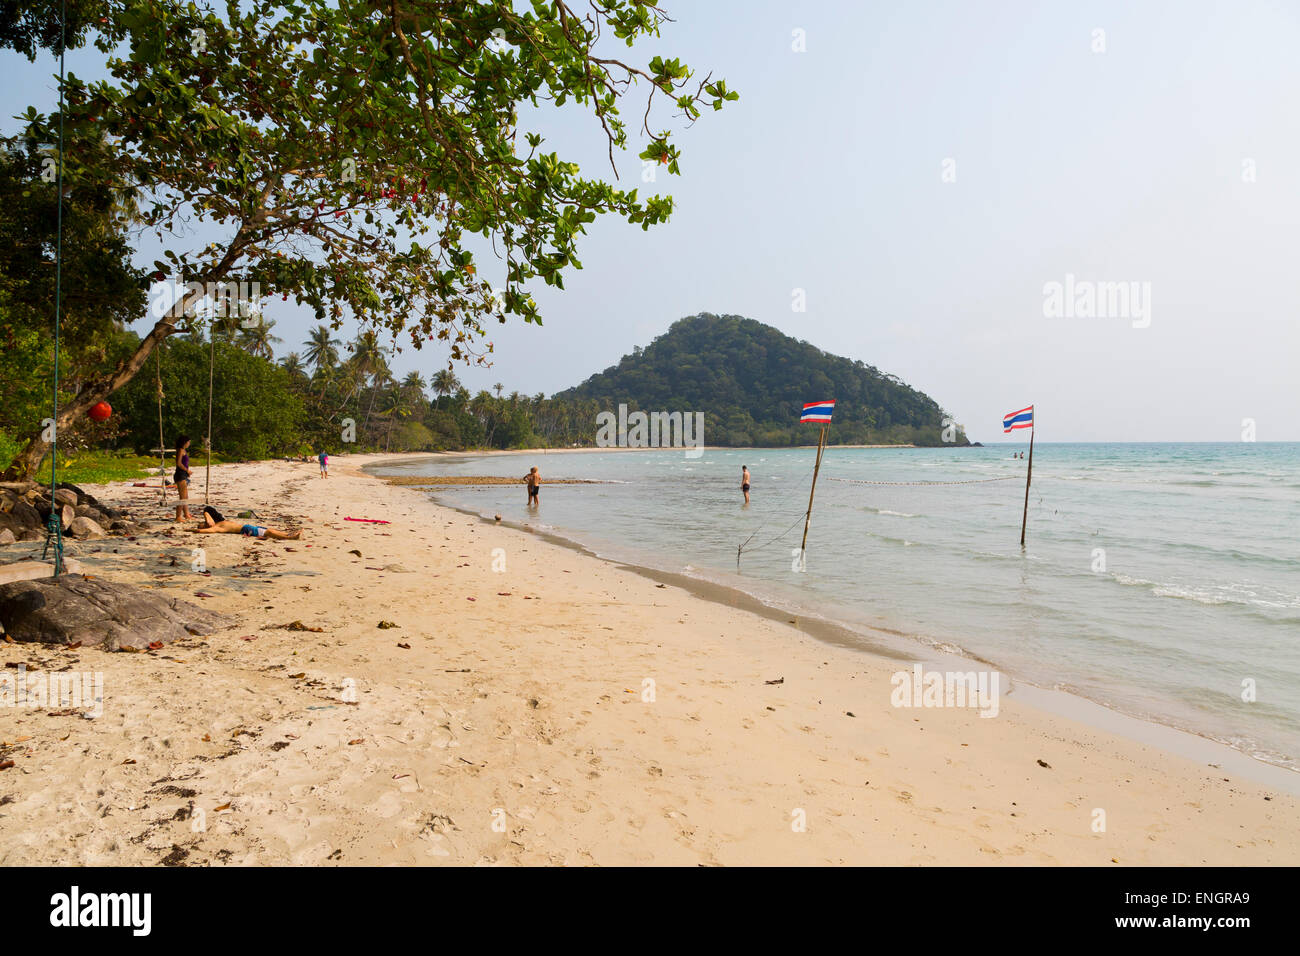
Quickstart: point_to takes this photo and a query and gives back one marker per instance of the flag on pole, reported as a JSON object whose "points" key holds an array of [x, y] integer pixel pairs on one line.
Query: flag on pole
{"points": [[817, 412], [1021, 419]]}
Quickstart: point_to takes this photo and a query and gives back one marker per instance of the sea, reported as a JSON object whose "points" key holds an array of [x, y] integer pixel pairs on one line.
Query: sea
{"points": [[1159, 580]]}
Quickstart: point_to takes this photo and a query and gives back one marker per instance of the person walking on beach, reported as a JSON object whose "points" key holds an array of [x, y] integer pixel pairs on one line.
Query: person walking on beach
{"points": [[534, 481], [181, 478], [324, 464], [744, 481]]}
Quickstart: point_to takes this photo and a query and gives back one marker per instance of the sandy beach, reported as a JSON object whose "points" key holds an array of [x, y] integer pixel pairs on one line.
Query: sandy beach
{"points": [[465, 693]]}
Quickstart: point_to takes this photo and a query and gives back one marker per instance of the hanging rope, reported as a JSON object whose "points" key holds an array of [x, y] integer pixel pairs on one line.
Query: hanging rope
{"points": [[212, 352], [162, 444], [54, 526]]}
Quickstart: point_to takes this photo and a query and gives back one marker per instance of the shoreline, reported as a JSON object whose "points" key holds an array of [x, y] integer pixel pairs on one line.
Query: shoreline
{"points": [[864, 639], [559, 709]]}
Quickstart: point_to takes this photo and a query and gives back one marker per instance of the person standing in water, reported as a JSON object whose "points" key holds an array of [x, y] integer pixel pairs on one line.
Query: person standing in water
{"points": [[181, 478], [534, 481], [744, 481]]}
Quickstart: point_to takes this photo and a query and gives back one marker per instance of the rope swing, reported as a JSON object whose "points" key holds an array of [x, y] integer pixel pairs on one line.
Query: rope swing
{"points": [[54, 526]]}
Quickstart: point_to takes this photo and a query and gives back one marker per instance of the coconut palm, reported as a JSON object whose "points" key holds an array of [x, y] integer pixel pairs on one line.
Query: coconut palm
{"points": [[321, 349], [444, 382], [293, 364], [258, 339]]}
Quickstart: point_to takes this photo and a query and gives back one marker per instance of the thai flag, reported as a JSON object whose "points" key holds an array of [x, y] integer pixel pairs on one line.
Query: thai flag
{"points": [[1021, 419], [817, 412]]}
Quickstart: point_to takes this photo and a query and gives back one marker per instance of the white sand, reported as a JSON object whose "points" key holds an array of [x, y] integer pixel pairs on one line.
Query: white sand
{"points": [[514, 730]]}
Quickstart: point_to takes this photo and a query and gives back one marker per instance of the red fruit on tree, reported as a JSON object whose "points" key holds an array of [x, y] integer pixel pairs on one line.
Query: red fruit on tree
{"points": [[100, 411]]}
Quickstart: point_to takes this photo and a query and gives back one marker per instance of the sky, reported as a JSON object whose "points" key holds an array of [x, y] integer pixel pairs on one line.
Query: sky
{"points": [[919, 175]]}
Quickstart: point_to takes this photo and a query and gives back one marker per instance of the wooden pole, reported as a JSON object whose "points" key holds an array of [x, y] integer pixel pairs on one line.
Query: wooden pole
{"points": [[1029, 472], [821, 443]]}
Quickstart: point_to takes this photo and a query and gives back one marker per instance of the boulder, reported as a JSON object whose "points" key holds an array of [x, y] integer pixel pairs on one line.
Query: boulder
{"points": [[69, 515], [26, 515], [66, 496], [72, 608], [81, 527], [6, 536]]}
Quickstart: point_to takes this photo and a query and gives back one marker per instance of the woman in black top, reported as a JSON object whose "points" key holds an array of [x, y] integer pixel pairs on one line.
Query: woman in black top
{"points": [[182, 478]]}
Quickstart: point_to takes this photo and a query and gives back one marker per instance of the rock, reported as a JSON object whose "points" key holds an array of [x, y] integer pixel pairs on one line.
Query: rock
{"points": [[69, 515], [26, 515], [65, 496], [85, 528], [7, 537], [120, 525], [71, 608], [32, 534]]}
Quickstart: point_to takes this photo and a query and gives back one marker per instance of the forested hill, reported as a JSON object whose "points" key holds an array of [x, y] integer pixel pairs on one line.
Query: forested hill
{"points": [[751, 381]]}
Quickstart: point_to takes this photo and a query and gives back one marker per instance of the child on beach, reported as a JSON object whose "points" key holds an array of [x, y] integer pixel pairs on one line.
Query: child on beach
{"points": [[324, 464], [534, 481], [181, 478]]}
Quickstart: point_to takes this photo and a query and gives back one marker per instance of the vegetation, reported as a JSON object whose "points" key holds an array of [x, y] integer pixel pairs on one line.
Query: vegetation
{"points": [[752, 381], [749, 380], [348, 154]]}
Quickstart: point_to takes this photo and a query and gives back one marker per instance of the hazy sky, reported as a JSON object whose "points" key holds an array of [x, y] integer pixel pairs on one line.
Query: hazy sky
{"points": [[1132, 165]]}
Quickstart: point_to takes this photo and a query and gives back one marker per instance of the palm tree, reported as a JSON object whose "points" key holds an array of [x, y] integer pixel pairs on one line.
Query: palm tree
{"points": [[414, 382], [258, 338], [367, 353], [444, 382], [498, 387], [371, 361], [321, 349], [292, 364]]}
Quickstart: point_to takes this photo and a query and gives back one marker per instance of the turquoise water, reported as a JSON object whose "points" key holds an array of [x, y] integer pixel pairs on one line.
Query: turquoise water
{"points": [[1157, 578]]}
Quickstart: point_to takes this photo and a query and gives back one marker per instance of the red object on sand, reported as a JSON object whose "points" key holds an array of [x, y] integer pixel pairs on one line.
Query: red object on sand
{"points": [[369, 520], [100, 411]]}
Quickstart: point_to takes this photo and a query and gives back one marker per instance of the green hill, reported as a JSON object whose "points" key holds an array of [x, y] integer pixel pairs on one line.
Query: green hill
{"points": [[751, 382]]}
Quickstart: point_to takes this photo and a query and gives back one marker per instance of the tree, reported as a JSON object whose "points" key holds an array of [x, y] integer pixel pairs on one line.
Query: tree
{"points": [[293, 364], [101, 291], [321, 349], [255, 413], [257, 337], [349, 149], [444, 382], [29, 25]]}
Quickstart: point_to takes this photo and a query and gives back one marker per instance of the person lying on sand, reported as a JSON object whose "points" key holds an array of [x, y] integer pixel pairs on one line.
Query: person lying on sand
{"points": [[231, 526]]}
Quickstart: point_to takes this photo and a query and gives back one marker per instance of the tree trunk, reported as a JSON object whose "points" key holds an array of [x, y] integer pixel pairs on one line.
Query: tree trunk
{"points": [[28, 461]]}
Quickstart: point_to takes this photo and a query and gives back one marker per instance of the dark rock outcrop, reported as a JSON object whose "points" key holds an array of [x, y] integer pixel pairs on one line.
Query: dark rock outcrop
{"points": [[25, 508], [92, 611]]}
